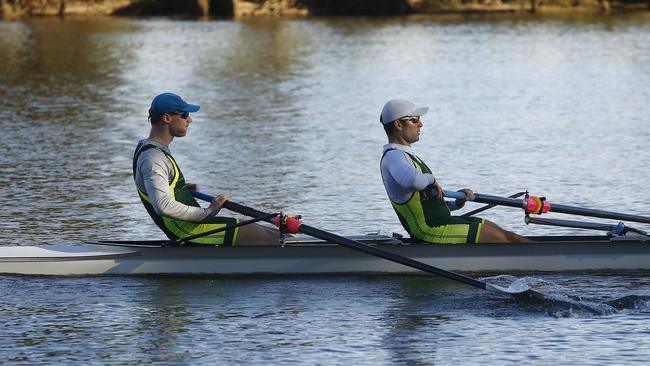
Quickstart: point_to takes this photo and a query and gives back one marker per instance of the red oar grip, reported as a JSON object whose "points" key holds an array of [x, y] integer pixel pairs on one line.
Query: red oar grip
{"points": [[290, 224], [537, 205]]}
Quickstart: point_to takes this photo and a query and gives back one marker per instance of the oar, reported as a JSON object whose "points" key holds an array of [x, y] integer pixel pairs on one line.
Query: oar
{"points": [[618, 229], [530, 205], [492, 205], [353, 244]]}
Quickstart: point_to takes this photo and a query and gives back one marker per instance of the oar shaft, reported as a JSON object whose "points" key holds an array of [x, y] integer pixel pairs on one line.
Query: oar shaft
{"points": [[489, 206], [324, 235], [353, 244], [599, 213], [571, 223], [234, 206], [484, 198]]}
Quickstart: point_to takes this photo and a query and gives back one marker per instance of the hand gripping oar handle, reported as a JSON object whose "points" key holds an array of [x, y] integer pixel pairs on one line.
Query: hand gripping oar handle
{"points": [[526, 204], [234, 206], [353, 244]]}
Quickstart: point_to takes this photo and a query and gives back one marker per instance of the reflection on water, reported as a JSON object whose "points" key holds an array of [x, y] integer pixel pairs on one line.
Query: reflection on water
{"points": [[289, 120]]}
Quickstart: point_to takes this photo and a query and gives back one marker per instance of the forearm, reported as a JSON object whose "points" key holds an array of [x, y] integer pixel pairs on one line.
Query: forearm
{"points": [[165, 205]]}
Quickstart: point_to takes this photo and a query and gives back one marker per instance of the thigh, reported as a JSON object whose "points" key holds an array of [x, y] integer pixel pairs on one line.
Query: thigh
{"points": [[464, 229], [226, 237], [255, 234], [492, 233], [457, 230]]}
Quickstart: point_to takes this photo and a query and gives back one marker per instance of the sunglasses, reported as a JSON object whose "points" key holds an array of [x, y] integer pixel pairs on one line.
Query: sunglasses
{"points": [[409, 119], [183, 115]]}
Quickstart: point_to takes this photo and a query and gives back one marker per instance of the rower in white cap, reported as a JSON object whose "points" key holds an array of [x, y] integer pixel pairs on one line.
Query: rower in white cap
{"points": [[414, 192]]}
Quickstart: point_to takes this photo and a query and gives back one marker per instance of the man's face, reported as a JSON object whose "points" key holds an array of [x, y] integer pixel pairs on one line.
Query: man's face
{"points": [[410, 128], [178, 123]]}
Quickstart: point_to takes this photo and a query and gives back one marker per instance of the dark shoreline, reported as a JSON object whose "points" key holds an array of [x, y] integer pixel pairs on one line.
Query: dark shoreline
{"points": [[16, 9]]}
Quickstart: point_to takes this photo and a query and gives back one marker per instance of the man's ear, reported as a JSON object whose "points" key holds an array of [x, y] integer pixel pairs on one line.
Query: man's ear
{"points": [[397, 125], [166, 119]]}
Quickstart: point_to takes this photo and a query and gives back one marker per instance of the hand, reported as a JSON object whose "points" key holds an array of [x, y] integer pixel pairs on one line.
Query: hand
{"points": [[468, 196], [217, 204], [192, 186], [437, 187]]}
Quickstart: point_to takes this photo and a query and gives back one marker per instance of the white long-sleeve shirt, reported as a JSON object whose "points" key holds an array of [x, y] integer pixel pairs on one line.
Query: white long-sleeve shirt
{"points": [[153, 174], [401, 178]]}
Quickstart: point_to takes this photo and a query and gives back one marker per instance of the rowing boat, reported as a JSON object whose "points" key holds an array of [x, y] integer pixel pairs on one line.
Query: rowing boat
{"points": [[301, 255]]}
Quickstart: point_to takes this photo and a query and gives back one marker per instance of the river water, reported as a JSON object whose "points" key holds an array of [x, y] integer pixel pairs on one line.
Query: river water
{"points": [[289, 120]]}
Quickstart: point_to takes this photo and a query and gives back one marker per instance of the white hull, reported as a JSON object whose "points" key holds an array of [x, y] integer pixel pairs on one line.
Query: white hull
{"points": [[319, 258]]}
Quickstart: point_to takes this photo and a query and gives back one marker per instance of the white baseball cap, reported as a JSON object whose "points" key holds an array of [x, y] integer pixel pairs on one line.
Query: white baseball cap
{"points": [[398, 108]]}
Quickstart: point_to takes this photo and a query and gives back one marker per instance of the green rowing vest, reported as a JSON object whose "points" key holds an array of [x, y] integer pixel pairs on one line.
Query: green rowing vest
{"points": [[174, 229], [422, 212]]}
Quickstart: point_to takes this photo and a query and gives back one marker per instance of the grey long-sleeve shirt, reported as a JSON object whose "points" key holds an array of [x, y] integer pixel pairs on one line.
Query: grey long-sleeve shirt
{"points": [[153, 174], [401, 177]]}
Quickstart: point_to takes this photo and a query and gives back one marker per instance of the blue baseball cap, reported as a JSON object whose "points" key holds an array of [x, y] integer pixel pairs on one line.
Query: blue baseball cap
{"points": [[170, 103]]}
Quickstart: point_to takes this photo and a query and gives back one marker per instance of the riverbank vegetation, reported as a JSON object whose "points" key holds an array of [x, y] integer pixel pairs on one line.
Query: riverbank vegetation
{"points": [[303, 8]]}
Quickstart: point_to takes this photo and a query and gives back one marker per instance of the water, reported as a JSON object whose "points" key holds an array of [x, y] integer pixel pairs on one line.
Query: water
{"points": [[320, 319], [289, 120]]}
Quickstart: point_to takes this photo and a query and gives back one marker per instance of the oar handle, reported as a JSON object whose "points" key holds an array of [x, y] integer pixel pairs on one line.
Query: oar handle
{"points": [[489, 206], [233, 206], [484, 198]]}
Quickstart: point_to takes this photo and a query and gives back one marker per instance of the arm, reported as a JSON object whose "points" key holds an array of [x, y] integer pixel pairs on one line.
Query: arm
{"points": [[403, 171], [155, 172]]}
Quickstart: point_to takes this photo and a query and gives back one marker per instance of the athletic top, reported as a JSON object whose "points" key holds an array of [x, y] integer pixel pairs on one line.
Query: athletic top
{"points": [[401, 178], [154, 173]]}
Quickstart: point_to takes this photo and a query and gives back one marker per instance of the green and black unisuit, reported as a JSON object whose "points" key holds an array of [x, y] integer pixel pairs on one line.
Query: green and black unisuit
{"points": [[178, 229], [429, 219]]}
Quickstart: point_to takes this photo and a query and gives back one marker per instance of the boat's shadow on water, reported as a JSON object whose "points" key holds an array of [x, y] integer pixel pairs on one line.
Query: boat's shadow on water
{"points": [[561, 301]]}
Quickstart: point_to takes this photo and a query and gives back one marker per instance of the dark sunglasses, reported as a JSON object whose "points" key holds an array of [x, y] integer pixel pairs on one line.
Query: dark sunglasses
{"points": [[183, 115]]}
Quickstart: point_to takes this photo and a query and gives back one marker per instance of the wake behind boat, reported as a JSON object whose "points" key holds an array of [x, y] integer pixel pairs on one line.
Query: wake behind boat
{"points": [[304, 255]]}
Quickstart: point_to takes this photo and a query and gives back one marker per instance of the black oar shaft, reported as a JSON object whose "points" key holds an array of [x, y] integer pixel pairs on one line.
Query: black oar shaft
{"points": [[599, 213], [324, 235], [491, 205], [570, 223], [519, 203], [353, 244], [502, 201], [244, 210]]}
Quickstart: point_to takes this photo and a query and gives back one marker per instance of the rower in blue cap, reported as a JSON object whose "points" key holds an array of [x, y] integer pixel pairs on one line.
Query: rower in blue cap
{"points": [[168, 198]]}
